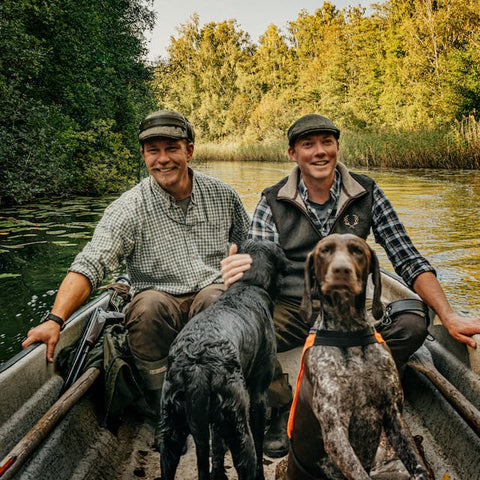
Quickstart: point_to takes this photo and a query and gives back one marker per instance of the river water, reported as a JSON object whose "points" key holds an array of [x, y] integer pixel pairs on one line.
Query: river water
{"points": [[440, 209]]}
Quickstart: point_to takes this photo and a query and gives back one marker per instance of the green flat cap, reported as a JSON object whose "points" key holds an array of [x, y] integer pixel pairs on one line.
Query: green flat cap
{"points": [[166, 123], [311, 123]]}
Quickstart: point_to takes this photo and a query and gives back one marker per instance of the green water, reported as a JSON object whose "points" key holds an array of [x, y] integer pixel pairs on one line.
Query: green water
{"points": [[440, 209]]}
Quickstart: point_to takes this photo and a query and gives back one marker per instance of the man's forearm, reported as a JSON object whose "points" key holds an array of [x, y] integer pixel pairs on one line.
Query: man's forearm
{"points": [[431, 292], [73, 291]]}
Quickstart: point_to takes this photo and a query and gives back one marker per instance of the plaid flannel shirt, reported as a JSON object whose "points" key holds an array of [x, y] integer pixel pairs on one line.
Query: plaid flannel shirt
{"points": [[388, 230], [163, 248]]}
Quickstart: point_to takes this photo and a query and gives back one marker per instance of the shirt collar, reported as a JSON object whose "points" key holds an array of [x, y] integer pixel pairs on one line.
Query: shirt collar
{"points": [[334, 189], [166, 196]]}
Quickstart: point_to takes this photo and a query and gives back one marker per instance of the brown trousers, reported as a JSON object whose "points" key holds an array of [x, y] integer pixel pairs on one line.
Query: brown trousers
{"points": [[154, 319], [404, 336]]}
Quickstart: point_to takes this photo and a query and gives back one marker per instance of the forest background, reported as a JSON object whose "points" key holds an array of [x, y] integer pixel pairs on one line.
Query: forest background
{"points": [[403, 83]]}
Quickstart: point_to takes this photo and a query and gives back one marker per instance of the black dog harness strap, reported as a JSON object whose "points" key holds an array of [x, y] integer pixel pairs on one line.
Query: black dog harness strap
{"points": [[334, 338]]}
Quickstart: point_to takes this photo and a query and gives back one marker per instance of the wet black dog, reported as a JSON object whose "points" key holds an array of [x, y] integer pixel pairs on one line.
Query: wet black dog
{"points": [[219, 369], [350, 388]]}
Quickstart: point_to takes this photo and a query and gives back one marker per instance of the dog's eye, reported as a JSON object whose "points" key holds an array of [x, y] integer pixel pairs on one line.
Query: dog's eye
{"points": [[356, 251], [326, 249]]}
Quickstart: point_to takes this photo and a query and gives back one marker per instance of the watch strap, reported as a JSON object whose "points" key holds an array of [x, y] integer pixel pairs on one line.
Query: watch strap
{"points": [[55, 318]]}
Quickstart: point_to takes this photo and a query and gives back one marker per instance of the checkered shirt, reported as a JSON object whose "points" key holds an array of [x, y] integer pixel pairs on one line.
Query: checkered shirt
{"points": [[387, 228], [163, 248]]}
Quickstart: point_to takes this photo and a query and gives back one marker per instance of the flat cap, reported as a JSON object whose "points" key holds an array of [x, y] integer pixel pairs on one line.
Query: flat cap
{"points": [[166, 123], [311, 123]]}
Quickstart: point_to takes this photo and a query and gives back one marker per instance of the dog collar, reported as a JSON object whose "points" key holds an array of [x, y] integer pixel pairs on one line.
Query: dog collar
{"points": [[335, 338]]}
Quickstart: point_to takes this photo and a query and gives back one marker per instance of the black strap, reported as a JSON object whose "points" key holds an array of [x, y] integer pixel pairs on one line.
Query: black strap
{"points": [[55, 318], [334, 338], [406, 305], [305, 474]]}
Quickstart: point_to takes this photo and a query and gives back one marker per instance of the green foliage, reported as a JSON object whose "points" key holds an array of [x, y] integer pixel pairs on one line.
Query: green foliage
{"points": [[456, 146], [203, 76], [101, 161], [410, 65], [66, 67]]}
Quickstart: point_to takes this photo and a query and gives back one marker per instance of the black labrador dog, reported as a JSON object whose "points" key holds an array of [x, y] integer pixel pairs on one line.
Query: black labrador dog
{"points": [[350, 388], [219, 369]]}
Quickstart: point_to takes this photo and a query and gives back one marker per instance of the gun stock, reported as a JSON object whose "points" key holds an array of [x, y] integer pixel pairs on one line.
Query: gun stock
{"points": [[94, 328]]}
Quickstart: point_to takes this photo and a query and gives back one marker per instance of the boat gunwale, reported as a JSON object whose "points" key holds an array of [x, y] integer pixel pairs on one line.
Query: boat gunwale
{"points": [[68, 324]]}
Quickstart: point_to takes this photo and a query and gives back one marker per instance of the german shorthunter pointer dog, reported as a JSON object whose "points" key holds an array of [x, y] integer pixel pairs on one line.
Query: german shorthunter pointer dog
{"points": [[350, 388], [219, 369]]}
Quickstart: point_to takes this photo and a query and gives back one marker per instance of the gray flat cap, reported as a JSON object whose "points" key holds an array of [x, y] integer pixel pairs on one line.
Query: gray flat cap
{"points": [[166, 123], [311, 123]]}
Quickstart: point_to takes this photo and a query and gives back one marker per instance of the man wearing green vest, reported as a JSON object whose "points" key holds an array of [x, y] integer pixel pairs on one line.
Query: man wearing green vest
{"points": [[319, 197]]}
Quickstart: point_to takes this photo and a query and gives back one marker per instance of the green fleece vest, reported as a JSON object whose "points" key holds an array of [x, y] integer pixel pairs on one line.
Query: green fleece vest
{"points": [[298, 234]]}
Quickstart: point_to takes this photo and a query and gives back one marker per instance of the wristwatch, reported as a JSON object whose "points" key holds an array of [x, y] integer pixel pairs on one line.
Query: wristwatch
{"points": [[55, 318]]}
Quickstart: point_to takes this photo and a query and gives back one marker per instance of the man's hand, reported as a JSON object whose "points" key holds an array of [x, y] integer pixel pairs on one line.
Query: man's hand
{"points": [[73, 291], [48, 333], [234, 265], [462, 328]]}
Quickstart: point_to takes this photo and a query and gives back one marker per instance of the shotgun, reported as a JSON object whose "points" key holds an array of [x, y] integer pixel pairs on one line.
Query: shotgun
{"points": [[75, 386], [95, 326]]}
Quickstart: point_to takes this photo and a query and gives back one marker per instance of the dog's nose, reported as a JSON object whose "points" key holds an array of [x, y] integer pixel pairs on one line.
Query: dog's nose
{"points": [[342, 268]]}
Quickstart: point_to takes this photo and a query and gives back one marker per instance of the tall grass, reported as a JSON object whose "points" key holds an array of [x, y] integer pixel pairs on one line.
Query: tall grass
{"points": [[238, 151], [454, 147]]}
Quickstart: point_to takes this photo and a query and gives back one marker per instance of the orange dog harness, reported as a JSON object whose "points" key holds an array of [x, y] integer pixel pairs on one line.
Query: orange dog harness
{"points": [[327, 337]]}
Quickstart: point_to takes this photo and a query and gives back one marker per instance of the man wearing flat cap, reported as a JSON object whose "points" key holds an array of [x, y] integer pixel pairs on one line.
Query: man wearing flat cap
{"points": [[321, 196], [172, 230]]}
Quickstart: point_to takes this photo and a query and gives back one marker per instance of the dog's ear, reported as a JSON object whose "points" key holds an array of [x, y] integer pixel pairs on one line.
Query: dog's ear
{"points": [[377, 307], [310, 289]]}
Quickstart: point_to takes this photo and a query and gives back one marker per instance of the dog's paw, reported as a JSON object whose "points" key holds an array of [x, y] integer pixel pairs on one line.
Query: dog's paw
{"points": [[421, 476], [218, 475], [281, 469]]}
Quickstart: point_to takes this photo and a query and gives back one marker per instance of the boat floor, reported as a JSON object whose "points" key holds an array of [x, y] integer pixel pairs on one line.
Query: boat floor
{"points": [[80, 448], [144, 461]]}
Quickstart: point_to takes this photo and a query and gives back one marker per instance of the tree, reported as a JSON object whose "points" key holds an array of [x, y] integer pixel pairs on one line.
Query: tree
{"points": [[201, 78], [81, 63]]}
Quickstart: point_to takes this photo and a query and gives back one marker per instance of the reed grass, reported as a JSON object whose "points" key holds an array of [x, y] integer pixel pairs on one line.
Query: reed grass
{"points": [[454, 147], [238, 151]]}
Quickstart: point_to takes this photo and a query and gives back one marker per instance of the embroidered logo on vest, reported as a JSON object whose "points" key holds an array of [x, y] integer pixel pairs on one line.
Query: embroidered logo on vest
{"points": [[351, 220]]}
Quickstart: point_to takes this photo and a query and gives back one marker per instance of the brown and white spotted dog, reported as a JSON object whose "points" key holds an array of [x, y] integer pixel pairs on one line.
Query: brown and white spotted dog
{"points": [[350, 388]]}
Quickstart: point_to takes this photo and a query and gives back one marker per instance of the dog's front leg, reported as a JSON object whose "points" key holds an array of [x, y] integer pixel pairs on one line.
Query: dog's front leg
{"points": [[340, 451], [336, 443], [400, 438]]}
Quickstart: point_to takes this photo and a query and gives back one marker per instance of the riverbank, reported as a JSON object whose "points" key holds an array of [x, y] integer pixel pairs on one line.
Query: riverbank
{"points": [[454, 147]]}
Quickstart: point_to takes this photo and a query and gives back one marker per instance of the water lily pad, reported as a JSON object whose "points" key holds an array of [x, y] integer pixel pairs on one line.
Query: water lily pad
{"points": [[78, 235], [21, 245], [63, 243]]}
